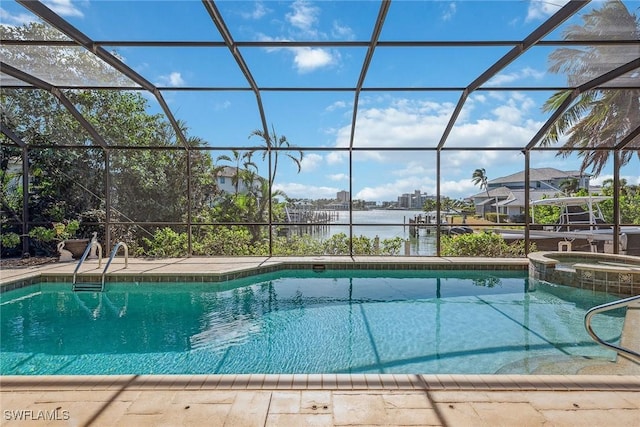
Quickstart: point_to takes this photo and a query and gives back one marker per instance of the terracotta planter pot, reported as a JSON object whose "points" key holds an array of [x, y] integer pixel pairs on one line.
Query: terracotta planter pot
{"points": [[76, 246]]}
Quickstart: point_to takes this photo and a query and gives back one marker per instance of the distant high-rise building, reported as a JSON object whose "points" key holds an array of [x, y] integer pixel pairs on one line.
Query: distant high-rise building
{"points": [[343, 196], [413, 200]]}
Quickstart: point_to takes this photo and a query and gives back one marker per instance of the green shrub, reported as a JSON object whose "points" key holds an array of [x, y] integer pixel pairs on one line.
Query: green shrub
{"points": [[10, 240], [165, 243], [485, 244], [226, 241]]}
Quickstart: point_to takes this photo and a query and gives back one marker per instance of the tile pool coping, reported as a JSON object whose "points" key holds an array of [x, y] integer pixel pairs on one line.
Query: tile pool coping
{"points": [[352, 382], [196, 269]]}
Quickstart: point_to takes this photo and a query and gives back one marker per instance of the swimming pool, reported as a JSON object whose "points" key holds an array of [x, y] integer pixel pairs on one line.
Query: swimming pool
{"points": [[303, 322]]}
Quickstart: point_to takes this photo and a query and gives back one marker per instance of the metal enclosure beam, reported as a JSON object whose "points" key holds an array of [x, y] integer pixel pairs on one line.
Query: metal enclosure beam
{"points": [[70, 31], [548, 26]]}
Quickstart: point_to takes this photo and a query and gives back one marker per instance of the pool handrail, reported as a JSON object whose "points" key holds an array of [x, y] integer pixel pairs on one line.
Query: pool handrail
{"points": [[91, 244], [114, 251], [606, 307]]}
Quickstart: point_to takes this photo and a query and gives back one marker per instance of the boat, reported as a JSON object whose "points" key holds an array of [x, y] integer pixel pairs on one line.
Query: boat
{"points": [[581, 227]]}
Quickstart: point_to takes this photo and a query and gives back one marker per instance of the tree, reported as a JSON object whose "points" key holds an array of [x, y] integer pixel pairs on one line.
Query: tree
{"points": [[569, 186], [280, 143], [479, 177], [600, 117], [629, 202], [70, 182], [241, 163]]}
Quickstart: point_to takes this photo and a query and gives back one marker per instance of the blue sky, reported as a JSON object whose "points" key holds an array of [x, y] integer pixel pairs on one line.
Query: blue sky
{"points": [[323, 119]]}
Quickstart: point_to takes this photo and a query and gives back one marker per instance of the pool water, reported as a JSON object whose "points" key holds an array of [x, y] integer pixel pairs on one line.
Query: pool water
{"points": [[302, 322]]}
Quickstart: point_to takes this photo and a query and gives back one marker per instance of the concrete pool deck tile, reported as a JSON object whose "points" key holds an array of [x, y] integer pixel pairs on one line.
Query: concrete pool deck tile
{"points": [[513, 414], [406, 400], [285, 402], [631, 397], [316, 402], [544, 400], [414, 417], [298, 420], [358, 409], [219, 397], [460, 414], [198, 415], [589, 418], [453, 396], [250, 408]]}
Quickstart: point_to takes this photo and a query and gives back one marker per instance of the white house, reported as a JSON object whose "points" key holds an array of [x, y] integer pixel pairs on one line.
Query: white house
{"points": [[225, 181], [506, 194]]}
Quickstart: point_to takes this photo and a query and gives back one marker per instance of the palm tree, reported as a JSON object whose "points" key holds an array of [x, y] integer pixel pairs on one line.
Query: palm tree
{"points": [[242, 162], [600, 117], [274, 141], [479, 177], [569, 186]]}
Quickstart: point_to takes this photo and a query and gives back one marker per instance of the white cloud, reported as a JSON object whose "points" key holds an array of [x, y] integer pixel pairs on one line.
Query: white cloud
{"points": [[338, 105], [541, 9], [259, 11], [449, 12], [526, 74], [310, 162], [304, 15], [302, 191], [338, 177], [308, 59], [342, 32], [336, 157], [20, 19], [173, 79], [631, 180], [506, 122], [222, 105], [64, 8], [304, 21]]}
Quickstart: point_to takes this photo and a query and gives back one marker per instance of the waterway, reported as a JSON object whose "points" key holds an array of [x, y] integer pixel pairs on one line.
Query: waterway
{"points": [[374, 223]]}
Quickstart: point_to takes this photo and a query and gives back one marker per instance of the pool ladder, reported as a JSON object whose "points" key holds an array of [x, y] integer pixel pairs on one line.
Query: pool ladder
{"points": [[630, 354], [98, 287]]}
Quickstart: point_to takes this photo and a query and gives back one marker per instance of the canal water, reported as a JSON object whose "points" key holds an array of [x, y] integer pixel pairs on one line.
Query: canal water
{"points": [[374, 223]]}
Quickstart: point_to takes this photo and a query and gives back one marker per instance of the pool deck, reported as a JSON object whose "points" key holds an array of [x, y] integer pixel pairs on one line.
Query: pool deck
{"points": [[598, 396]]}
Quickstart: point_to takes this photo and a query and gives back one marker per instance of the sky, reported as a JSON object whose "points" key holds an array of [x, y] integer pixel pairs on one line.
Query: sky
{"points": [[322, 120]]}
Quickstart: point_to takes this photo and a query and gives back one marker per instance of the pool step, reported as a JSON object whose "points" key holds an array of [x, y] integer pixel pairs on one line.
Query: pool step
{"points": [[553, 365], [87, 287]]}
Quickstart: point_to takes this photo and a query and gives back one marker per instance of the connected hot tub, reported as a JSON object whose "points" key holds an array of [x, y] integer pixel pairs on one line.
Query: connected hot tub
{"points": [[618, 274]]}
